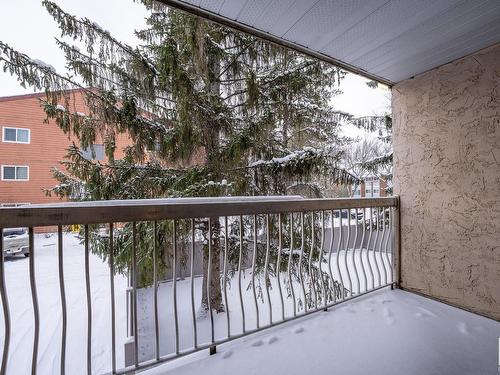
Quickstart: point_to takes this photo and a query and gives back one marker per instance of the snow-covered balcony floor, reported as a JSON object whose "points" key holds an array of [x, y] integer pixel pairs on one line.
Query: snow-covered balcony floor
{"points": [[386, 332]]}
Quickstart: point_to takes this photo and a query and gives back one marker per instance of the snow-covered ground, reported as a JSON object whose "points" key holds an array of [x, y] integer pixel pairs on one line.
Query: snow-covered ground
{"points": [[21, 310], [376, 327], [203, 325], [46, 270], [386, 332]]}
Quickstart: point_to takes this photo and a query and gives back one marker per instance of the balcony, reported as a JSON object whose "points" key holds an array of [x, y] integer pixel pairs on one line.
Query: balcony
{"points": [[285, 285], [385, 332], [310, 278]]}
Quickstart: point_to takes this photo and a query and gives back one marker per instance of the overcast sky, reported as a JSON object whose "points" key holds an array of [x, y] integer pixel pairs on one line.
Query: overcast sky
{"points": [[25, 25]]}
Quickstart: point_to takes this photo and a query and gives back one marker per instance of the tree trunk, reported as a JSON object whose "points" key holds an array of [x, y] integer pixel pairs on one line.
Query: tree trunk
{"points": [[214, 269], [212, 142]]}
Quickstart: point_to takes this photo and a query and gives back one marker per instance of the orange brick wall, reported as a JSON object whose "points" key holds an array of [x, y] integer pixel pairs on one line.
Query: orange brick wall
{"points": [[383, 187], [46, 149]]}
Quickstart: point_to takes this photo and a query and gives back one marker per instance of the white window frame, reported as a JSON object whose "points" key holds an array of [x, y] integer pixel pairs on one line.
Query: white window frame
{"points": [[92, 149], [16, 179], [357, 191], [16, 129]]}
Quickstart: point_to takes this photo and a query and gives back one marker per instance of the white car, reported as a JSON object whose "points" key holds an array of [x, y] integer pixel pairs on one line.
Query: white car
{"points": [[15, 241]]}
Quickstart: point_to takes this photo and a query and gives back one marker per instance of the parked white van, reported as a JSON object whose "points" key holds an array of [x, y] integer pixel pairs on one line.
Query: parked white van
{"points": [[15, 241]]}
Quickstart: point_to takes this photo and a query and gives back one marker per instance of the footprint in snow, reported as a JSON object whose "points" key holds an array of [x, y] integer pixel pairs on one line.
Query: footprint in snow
{"points": [[351, 311], [227, 354], [389, 319], [386, 301], [463, 329], [272, 339], [257, 343], [298, 330], [426, 313]]}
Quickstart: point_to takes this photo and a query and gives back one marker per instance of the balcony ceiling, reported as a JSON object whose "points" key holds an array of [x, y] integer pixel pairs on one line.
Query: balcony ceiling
{"points": [[386, 40]]}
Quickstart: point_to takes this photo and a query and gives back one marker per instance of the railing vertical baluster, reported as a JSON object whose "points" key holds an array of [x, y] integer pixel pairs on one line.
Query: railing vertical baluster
{"points": [[134, 293], [193, 313], [34, 298], [224, 282], [381, 246], [266, 265], [6, 310], [389, 219], [278, 264], [209, 284], [354, 247], [290, 256], [309, 265], [112, 291], [239, 274], [320, 256], [379, 276], [301, 256], [174, 284], [254, 261], [155, 289], [89, 299], [391, 245], [330, 256], [63, 297], [339, 246], [368, 245], [363, 222], [396, 245], [347, 250]]}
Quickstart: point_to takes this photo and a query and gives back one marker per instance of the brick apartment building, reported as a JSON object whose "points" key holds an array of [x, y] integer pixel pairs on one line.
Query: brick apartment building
{"points": [[371, 187], [30, 148]]}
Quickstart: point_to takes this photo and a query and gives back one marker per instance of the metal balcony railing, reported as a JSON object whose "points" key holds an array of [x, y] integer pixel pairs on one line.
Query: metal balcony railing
{"points": [[262, 260]]}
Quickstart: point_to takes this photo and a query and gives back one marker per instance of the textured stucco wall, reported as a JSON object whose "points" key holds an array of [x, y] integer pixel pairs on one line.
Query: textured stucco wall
{"points": [[447, 172]]}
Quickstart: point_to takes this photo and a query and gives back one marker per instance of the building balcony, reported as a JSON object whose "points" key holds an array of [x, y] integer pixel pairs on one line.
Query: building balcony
{"points": [[285, 285], [296, 284]]}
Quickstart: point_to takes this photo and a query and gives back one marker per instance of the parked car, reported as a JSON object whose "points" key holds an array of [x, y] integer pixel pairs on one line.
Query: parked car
{"points": [[15, 241]]}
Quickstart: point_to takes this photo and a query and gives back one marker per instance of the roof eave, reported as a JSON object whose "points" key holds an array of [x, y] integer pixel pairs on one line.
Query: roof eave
{"points": [[203, 13]]}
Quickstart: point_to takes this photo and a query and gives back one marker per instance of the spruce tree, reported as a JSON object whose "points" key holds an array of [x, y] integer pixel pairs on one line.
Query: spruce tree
{"points": [[380, 163], [210, 112]]}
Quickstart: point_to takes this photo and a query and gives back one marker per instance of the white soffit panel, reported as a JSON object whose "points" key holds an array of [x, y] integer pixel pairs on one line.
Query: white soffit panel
{"points": [[387, 40]]}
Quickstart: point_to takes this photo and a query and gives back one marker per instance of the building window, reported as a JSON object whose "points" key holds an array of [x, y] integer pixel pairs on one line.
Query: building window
{"points": [[95, 152], [15, 173], [376, 188], [357, 192], [16, 135]]}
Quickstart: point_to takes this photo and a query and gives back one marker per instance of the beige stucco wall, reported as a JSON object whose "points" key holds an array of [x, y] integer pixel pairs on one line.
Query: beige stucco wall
{"points": [[447, 172]]}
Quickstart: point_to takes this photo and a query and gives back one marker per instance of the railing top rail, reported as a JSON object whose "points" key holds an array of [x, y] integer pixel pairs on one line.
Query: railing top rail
{"points": [[95, 212]]}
